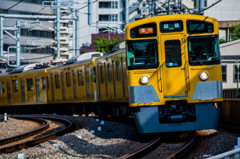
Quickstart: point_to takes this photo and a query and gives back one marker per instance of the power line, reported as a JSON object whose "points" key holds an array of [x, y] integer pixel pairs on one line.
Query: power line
{"points": [[11, 7], [86, 5]]}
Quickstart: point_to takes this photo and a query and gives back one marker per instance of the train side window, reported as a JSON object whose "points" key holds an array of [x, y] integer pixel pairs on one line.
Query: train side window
{"points": [[43, 83], [2, 89], [57, 81], [94, 75], [15, 85], [109, 73], [101, 73], [118, 69], [47, 83], [29, 84], [80, 78], [68, 79], [173, 53]]}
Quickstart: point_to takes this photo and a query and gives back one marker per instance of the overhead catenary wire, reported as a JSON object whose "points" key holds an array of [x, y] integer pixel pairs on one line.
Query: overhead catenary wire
{"points": [[6, 10]]}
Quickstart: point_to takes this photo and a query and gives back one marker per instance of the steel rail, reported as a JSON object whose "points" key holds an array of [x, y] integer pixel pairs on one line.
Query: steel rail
{"points": [[184, 149], [44, 125], [142, 149], [41, 139]]}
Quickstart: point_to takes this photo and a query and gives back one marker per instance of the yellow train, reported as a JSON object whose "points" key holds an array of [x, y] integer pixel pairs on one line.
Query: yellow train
{"points": [[167, 74]]}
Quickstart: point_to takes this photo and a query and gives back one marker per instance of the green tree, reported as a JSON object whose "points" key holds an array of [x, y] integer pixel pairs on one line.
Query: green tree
{"points": [[104, 45], [222, 40], [235, 29]]}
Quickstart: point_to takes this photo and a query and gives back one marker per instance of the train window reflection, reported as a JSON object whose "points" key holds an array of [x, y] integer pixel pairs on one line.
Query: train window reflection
{"points": [[2, 89], [142, 54], [43, 83], [15, 85], [57, 81], [173, 53], [68, 79], [203, 50], [29, 84], [80, 78]]}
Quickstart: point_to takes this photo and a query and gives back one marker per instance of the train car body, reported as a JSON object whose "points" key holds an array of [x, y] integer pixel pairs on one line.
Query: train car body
{"points": [[111, 75], [23, 86], [174, 73], [73, 82]]}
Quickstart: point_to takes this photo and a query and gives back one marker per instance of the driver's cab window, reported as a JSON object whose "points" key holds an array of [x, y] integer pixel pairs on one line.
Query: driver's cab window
{"points": [[173, 53]]}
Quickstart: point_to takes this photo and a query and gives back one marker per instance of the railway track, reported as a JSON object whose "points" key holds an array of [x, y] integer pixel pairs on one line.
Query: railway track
{"points": [[34, 136], [147, 148]]}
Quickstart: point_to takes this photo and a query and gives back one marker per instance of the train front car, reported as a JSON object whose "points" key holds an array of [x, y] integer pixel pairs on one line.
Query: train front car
{"points": [[174, 73]]}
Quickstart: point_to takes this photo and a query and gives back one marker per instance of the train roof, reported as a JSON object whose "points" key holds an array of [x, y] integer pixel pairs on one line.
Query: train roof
{"points": [[170, 18], [84, 57], [28, 68]]}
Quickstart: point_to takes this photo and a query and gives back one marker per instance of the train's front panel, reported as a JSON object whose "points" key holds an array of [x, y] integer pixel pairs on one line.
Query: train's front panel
{"points": [[174, 73]]}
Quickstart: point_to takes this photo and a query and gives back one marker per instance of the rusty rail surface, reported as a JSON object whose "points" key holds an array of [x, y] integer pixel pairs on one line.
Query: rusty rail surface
{"points": [[184, 149], [44, 125], [13, 148], [142, 149]]}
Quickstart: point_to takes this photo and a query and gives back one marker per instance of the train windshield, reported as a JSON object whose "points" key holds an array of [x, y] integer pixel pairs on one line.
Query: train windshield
{"points": [[203, 50], [142, 54]]}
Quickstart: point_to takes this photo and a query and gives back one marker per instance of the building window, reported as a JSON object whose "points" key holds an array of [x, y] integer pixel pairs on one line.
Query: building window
{"points": [[224, 73], [108, 17], [113, 4], [37, 33], [235, 73]]}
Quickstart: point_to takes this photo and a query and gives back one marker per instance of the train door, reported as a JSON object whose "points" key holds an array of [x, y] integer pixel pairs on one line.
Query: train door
{"points": [[74, 84], [23, 90], [37, 83], [9, 91], [173, 59]]}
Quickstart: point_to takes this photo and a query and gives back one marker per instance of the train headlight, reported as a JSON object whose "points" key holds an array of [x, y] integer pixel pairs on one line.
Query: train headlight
{"points": [[145, 79], [204, 75]]}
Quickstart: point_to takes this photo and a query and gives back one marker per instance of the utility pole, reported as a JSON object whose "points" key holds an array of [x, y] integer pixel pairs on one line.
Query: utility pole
{"points": [[126, 11], [18, 43], [1, 36], [58, 27], [76, 32]]}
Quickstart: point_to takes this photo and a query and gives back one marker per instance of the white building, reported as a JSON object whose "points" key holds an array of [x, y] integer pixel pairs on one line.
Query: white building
{"points": [[37, 36], [105, 16], [227, 12]]}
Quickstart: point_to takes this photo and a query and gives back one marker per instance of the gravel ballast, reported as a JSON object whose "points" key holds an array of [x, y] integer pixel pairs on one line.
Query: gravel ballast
{"points": [[94, 138]]}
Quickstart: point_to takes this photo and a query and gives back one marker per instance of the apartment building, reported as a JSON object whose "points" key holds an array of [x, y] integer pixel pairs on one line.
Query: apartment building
{"points": [[37, 36], [106, 16]]}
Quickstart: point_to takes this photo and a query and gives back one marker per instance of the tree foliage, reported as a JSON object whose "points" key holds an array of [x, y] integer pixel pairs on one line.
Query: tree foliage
{"points": [[105, 45], [235, 29]]}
